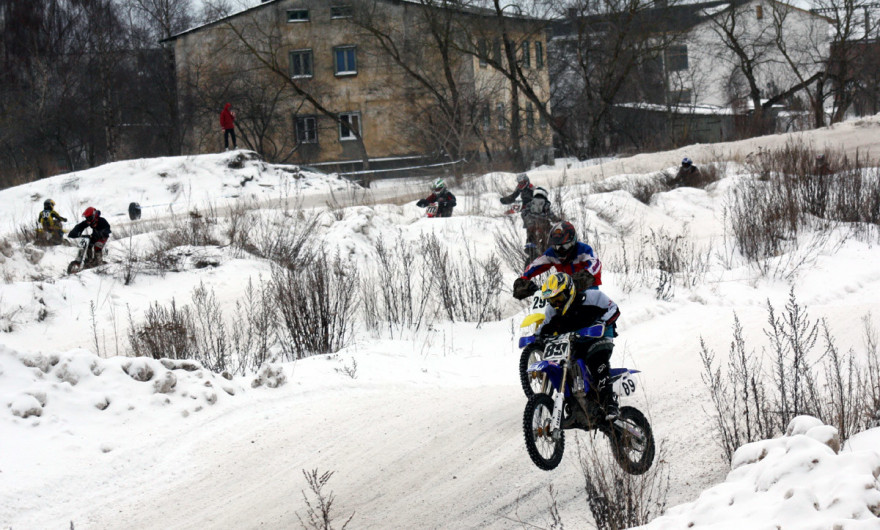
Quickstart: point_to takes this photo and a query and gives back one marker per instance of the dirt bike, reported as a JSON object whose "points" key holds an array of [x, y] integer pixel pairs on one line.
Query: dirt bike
{"points": [[514, 207], [550, 412], [48, 237], [85, 257], [431, 210], [532, 383]]}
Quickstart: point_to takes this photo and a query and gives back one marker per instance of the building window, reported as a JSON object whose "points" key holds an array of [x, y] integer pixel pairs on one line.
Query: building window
{"points": [[301, 63], [298, 15], [759, 11], [496, 50], [349, 122], [306, 129], [483, 52], [530, 117], [487, 117], [499, 109], [680, 97], [340, 11], [677, 58], [526, 55], [539, 54], [345, 59]]}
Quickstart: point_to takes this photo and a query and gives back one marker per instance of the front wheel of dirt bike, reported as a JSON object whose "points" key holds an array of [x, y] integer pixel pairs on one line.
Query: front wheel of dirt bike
{"points": [[531, 383], [544, 450], [74, 267], [632, 441]]}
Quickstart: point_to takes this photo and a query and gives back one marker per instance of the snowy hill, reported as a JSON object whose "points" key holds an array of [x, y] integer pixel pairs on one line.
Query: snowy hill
{"points": [[420, 420]]}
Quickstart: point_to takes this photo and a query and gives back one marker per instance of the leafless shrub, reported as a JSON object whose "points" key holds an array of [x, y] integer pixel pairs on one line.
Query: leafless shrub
{"points": [[350, 371], [239, 223], [467, 287], [751, 403], [194, 230], [510, 244], [394, 295], [350, 196], [26, 233], [319, 318], [319, 511], [661, 262], [131, 264], [617, 499], [644, 190], [739, 396], [284, 238], [165, 333], [252, 330], [213, 345], [798, 192], [869, 379]]}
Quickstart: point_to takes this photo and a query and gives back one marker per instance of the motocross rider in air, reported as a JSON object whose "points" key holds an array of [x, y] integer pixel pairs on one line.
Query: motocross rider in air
{"points": [[570, 310]]}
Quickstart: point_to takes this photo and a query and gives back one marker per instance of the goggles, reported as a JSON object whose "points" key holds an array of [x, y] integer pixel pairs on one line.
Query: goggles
{"points": [[563, 248], [558, 300]]}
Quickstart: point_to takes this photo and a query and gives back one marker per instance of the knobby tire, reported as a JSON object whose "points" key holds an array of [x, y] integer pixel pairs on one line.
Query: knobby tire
{"points": [[538, 414], [623, 442]]}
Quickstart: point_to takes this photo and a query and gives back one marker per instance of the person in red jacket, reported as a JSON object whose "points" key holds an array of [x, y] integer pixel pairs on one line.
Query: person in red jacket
{"points": [[227, 122]]}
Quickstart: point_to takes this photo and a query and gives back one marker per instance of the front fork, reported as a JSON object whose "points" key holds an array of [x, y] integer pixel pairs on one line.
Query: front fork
{"points": [[559, 406]]}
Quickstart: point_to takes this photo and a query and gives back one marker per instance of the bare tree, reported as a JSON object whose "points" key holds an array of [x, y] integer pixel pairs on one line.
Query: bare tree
{"points": [[611, 54], [256, 37]]}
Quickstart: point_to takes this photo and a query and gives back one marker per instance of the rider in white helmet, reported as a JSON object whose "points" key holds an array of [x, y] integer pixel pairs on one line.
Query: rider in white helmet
{"points": [[442, 196]]}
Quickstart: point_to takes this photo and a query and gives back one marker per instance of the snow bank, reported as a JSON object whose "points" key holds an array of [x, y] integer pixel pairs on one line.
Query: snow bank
{"points": [[797, 481], [74, 386]]}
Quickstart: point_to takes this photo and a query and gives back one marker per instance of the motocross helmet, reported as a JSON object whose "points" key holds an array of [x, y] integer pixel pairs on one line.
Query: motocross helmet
{"points": [[559, 291], [91, 214], [687, 162], [48, 204], [540, 193], [439, 185], [563, 240], [522, 181]]}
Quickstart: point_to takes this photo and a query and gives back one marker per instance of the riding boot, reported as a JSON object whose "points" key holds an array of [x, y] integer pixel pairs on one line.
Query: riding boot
{"points": [[607, 399]]}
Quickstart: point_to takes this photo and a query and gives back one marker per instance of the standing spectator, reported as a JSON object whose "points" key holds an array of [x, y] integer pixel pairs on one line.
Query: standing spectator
{"points": [[227, 122]]}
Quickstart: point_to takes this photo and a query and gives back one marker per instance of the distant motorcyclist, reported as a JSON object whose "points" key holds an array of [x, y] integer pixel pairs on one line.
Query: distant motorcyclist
{"points": [[51, 222], [538, 218], [442, 196], [566, 254], [99, 236], [688, 173], [524, 191], [570, 310]]}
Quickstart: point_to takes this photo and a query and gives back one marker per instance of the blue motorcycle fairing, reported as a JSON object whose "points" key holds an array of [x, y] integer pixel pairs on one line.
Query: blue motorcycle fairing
{"points": [[525, 341]]}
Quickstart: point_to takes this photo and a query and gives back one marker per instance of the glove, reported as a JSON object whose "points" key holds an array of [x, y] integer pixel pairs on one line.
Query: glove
{"points": [[506, 200], [421, 203], [63, 219], [523, 288], [583, 280]]}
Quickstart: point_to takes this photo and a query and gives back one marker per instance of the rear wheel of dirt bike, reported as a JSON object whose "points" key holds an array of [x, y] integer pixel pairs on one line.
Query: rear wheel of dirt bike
{"points": [[530, 385], [632, 441], [544, 451], [74, 267]]}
